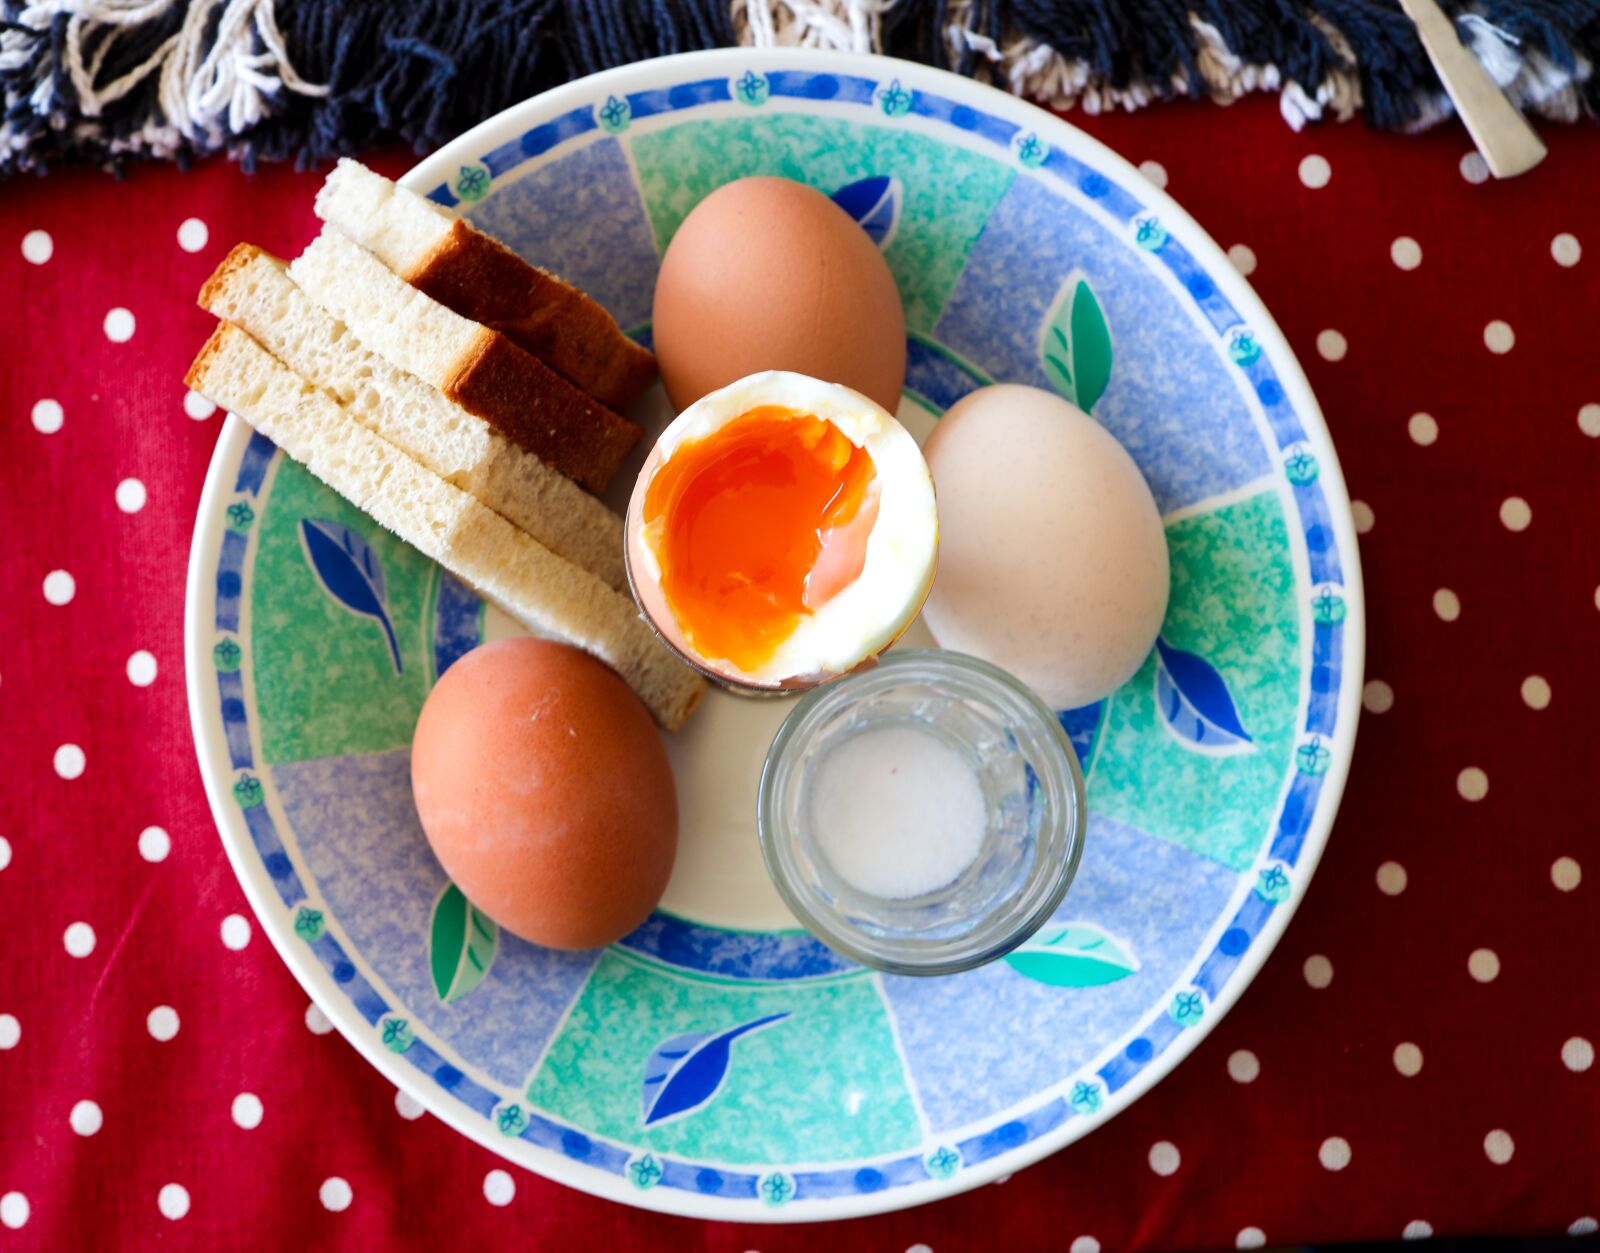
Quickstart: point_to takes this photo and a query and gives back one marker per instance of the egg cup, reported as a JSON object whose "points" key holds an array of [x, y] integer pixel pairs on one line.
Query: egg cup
{"points": [[1033, 793]]}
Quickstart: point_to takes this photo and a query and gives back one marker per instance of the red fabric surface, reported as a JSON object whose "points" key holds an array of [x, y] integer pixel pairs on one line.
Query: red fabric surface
{"points": [[1476, 874]]}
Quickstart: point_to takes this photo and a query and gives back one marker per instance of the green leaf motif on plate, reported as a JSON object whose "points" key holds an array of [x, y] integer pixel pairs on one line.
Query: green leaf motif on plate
{"points": [[644, 1172], [615, 114], [227, 655], [240, 516], [1300, 468], [752, 89], [1312, 759], [397, 1035], [1327, 608], [943, 1162], [512, 1120], [1086, 1097], [1077, 955], [309, 924], [472, 182], [247, 791], [1273, 884], [776, 1189], [461, 945], [1187, 1008], [1075, 349]]}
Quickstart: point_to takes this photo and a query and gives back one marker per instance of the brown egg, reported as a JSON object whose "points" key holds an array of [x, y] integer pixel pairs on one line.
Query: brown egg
{"points": [[768, 274], [545, 791]]}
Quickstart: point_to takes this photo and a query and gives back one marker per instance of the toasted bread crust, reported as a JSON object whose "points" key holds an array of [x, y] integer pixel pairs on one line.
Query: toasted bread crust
{"points": [[480, 278], [237, 259], [530, 403], [194, 377]]}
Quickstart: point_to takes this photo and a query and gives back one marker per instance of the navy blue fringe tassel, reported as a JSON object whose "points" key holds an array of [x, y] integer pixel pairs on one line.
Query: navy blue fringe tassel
{"points": [[423, 72]]}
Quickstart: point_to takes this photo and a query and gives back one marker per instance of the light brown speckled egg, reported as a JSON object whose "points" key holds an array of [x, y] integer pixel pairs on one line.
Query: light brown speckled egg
{"points": [[769, 274], [544, 789]]}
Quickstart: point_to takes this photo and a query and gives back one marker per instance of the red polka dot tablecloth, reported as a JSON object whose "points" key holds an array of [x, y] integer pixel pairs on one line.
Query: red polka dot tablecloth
{"points": [[1416, 1059]]}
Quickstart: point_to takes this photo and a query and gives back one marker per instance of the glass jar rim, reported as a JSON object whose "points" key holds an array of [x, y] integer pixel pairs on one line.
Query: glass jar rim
{"points": [[1047, 883]]}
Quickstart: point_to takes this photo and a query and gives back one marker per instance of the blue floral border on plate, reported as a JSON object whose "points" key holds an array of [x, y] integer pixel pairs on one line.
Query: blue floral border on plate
{"points": [[680, 943]]}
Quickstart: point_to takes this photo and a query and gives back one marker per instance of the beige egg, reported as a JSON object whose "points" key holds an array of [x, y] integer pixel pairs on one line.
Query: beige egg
{"points": [[769, 274], [1052, 557]]}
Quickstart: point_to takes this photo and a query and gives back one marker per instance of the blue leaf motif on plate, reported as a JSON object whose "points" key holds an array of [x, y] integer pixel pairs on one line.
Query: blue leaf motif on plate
{"points": [[1074, 955], [874, 203], [350, 573], [682, 1074], [1195, 702]]}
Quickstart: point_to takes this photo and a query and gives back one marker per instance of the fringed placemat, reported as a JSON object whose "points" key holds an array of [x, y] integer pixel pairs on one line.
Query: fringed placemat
{"points": [[112, 80]]}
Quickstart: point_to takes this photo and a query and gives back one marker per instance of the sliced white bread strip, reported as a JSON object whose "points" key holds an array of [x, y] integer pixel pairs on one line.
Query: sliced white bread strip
{"points": [[478, 368], [541, 590], [253, 290], [480, 278]]}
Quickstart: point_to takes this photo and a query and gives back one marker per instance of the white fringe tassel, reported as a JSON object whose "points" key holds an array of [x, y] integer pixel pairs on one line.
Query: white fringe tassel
{"points": [[207, 92]]}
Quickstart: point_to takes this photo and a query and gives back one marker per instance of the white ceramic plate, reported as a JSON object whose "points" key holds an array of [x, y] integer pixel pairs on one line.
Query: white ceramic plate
{"points": [[719, 1062]]}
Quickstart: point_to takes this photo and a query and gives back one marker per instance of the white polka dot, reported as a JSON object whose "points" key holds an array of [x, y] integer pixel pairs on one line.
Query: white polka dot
{"points": [[1589, 420], [1417, 1229], [1498, 337], [198, 407], [1377, 697], [1498, 1147], [1484, 965], [1408, 1059], [1577, 1054], [1583, 1227], [1474, 168], [235, 931], [173, 1201], [1565, 873], [70, 761], [1422, 428], [5, 852], [38, 247], [1318, 971], [408, 1107], [131, 496], [316, 1021], [86, 1118], [1515, 513], [60, 587], [1472, 784], [247, 1110], [335, 1194], [48, 415], [1250, 1238], [1154, 171], [162, 1022], [192, 235], [119, 325], [1243, 258], [141, 669], [1447, 604], [1334, 1153], [1406, 253], [10, 1031], [1391, 878], [499, 1188], [79, 939], [1361, 513], [1331, 345], [1164, 1157], [1243, 1066], [1536, 692], [1566, 249], [1315, 171], [1085, 1244], [13, 1210], [154, 844]]}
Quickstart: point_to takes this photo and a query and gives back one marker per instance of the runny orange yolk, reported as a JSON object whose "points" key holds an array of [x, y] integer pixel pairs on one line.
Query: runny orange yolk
{"points": [[755, 526]]}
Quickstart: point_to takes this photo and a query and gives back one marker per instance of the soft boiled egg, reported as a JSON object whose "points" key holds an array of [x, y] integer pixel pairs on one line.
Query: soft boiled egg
{"points": [[782, 531]]}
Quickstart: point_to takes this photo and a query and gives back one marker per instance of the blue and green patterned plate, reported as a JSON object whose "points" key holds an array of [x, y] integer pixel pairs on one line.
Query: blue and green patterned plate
{"points": [[719, 1061]]}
